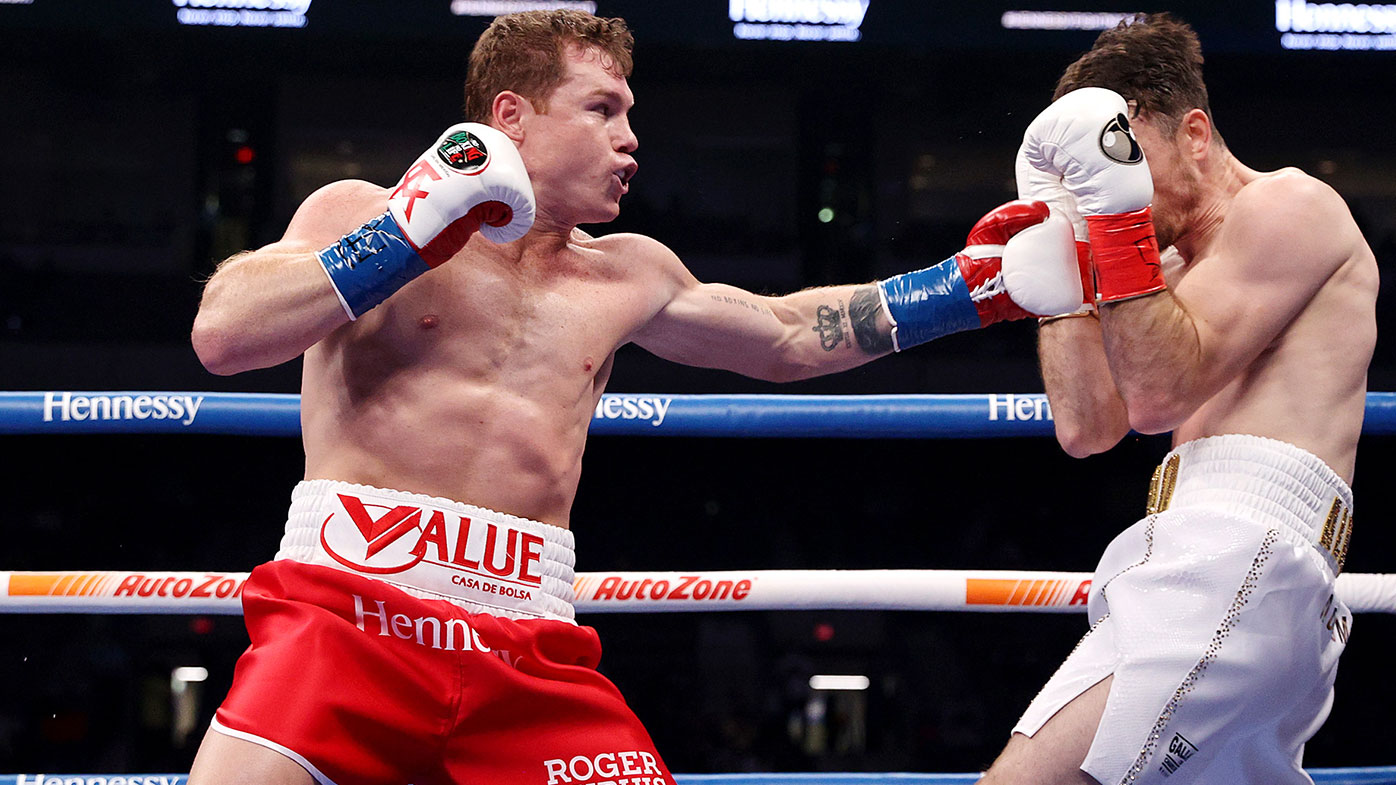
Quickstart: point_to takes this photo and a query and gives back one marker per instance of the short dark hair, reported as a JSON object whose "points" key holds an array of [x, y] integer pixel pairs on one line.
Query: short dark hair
{"points": [[1154, 60], [524, 53]]}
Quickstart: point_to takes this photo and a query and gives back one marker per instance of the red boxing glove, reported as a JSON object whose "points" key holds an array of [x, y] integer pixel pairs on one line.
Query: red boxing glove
{"points": [[1019, 262], [1086, 263], [981, 260]]}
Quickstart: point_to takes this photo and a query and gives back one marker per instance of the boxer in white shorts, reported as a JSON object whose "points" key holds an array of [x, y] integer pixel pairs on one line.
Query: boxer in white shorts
{"points": [[1215, 632], [1247, 540]]}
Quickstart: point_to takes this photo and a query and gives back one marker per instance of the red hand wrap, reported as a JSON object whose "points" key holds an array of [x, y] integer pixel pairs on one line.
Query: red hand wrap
{"points": [[1126, 255]]}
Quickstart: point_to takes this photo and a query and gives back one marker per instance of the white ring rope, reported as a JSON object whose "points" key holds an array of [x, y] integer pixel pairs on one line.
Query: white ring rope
{"points": [[642, 592]]}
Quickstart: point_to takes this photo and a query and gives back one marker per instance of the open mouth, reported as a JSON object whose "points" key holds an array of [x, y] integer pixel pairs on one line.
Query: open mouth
{"points": [[624, 174]]}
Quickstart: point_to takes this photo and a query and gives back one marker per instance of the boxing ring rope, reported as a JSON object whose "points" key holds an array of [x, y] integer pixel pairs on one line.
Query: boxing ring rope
{"points": [[115, 591], [821, 416], [976, 416], [858, 416]]}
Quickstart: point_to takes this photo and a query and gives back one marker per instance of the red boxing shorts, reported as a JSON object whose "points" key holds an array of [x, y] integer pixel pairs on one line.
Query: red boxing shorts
{"points": [[360, 681]]}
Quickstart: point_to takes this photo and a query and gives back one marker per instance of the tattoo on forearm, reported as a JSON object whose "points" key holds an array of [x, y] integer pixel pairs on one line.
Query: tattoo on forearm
{"points": [[828, 322], [729, 300], [864, 307]]}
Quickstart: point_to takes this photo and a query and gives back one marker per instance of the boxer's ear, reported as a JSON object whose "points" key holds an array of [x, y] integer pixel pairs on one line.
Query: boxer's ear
{"points": [[1195, 133], [510, 113]]}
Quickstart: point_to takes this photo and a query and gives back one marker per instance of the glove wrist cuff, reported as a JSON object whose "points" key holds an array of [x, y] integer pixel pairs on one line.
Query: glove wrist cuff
{"points": [[925, 304], [1126, 255], [370, 263]]}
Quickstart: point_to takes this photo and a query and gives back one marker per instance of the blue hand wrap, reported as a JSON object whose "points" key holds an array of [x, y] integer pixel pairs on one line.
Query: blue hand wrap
{"points": [[370, 263], [926, 304]]}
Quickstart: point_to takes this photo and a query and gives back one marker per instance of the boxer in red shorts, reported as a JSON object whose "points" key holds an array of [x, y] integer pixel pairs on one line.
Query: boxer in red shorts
{"points": [[458, 331], [462, 641]]}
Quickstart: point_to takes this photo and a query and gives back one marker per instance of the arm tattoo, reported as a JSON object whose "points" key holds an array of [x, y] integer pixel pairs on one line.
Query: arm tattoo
{"points": [[828, 322], [864, 307], [729, 300]]}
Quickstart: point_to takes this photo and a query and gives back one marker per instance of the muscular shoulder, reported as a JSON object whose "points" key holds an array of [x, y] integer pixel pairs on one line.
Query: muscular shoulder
{"points": [[1290, 189], [1288, 217], [334, 209], [637, 255]]}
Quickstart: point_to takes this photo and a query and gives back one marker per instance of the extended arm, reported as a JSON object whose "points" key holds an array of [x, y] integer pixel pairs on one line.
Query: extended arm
{"points": [[800, 335], [1018, 262]]}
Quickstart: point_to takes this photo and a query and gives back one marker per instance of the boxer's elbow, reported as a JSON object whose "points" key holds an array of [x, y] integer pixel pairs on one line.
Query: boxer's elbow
{"points": [[212, 334], [217, 346], [1089, 419], [1155, 411], [1152, 423], [1076, 444], [1081, 439], [212, 350]]}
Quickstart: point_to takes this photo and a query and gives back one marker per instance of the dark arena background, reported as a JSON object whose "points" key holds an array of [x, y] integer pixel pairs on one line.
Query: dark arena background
{"points": [[143, 141]]}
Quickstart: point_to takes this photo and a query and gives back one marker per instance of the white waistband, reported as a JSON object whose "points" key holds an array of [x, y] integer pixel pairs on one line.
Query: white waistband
{"points": [[1266, 479], [482, 560]]}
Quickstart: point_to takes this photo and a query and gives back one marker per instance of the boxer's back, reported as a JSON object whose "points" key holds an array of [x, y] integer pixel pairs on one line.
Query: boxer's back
{"points": [[1308, 387], [477, 382]]}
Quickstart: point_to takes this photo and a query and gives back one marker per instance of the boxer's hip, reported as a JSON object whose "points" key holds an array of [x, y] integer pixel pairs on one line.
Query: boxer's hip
{"points": [[434, 548], [1269, 482]]}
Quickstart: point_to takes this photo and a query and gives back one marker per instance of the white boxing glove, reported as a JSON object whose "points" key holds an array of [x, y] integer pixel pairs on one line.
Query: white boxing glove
{"points": [[1037, 185], [1040, 272], [1084, 140], [472, 179]]}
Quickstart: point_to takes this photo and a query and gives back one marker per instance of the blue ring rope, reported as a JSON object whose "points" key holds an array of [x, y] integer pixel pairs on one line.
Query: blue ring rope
{"points": [[976, 416], [1368, 775]]}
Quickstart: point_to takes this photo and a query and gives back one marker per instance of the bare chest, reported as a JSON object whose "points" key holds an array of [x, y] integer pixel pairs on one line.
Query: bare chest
{"points": [[480, 321]]}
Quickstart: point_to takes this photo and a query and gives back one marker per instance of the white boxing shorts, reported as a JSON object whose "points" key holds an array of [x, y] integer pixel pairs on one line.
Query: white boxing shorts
{"points": [[1217, 617]]}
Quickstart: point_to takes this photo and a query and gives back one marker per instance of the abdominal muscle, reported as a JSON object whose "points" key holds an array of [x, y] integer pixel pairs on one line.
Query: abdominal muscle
{"points": [[512, 444]]}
